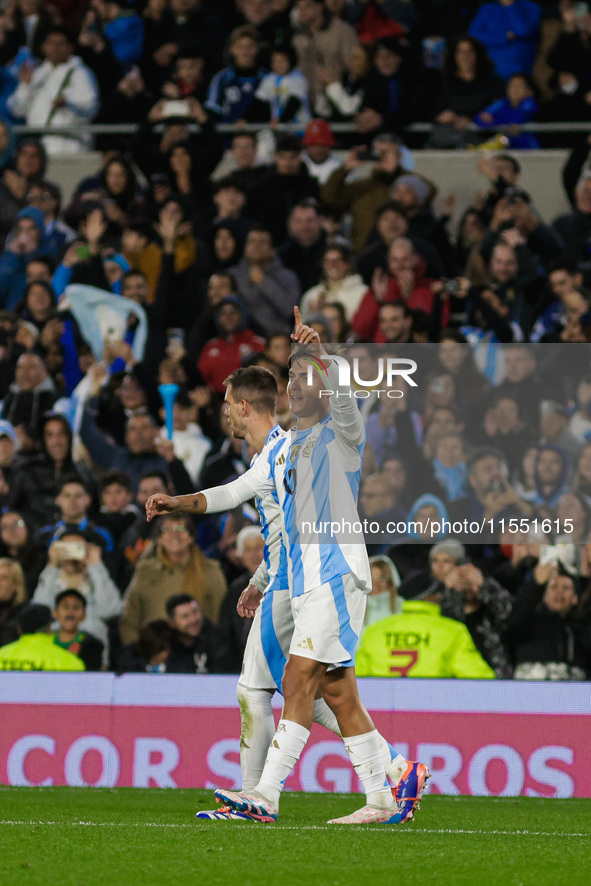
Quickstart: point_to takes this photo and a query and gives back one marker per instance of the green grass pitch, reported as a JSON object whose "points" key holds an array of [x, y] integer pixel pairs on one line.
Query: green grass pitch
{"points": [[132, 837]]}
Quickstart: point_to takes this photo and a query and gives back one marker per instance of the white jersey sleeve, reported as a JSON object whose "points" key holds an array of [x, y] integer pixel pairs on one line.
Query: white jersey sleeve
{"points": [[346, 415], [261, 577], [257, 481], [266, 88]]}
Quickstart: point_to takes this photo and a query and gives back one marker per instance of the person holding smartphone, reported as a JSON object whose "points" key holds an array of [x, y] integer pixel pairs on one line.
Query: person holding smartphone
{"points": [[73, 562]]}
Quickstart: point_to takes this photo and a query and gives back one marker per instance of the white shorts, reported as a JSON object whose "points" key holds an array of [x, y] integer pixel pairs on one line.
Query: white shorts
{"points": [[267, 646], [328, 620]]}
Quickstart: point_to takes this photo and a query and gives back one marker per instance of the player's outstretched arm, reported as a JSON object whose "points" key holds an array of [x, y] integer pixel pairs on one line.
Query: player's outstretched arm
{"points": [[257, 481], [167, 504]]}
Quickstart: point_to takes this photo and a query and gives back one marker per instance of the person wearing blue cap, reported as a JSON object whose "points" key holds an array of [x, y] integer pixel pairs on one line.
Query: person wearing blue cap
{"points": [[7, 432], [8, 447], [25, 241]]}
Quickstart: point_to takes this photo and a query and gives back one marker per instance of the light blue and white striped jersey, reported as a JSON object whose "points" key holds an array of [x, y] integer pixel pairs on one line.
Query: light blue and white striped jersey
{"points": [[488, 351], [316, 475], [275, 555], [278, 89]]}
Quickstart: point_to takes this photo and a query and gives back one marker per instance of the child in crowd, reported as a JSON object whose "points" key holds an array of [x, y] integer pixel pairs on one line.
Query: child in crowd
{"points": [[519, 106], [232, 90], [188, 78], [117, 511], [123, 29], [151, 650], [282, 96], [70, 611]]}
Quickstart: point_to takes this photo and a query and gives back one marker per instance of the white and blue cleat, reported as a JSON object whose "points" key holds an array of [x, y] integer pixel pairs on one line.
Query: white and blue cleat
{"points": [[223, 813], [253, 806]]}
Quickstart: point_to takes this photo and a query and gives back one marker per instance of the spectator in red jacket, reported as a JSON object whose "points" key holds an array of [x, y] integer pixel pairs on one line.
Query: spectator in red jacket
{"points": [[405, 282], [222, 355]]}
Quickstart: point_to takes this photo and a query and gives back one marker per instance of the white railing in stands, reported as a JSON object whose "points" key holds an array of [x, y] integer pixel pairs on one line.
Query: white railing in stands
{"points": [[346, 128]]}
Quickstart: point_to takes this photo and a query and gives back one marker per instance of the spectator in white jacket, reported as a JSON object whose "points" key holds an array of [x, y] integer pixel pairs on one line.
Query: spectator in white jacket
{"points": [[75, 563], [339, 283], [62, 91], [342, 99]]}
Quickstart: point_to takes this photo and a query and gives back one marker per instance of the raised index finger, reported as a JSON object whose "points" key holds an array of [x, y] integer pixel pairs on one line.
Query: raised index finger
{"points": [[297, 316]]}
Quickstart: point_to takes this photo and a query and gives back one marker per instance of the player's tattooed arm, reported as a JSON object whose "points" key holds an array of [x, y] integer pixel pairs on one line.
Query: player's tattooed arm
{"points": [[160, 503]]}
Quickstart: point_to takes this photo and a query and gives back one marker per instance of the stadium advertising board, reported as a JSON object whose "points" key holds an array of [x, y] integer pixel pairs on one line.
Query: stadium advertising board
{"points": [[499, 739]]}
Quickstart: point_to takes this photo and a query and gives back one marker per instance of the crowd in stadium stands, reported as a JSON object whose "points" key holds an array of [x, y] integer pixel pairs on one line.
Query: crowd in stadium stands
{"points": [[183, 256]]}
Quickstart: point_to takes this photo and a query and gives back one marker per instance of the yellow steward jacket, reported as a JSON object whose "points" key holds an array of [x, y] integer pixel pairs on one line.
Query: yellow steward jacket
{"points": [[38, 652], [420, 642]]}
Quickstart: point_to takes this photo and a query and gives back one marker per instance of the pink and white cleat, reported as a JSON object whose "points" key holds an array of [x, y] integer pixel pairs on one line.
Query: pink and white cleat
{"points": [[369, 815]]}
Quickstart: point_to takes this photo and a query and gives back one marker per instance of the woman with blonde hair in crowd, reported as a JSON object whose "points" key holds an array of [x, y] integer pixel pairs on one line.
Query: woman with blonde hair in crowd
{"points": [[13, 598], [581, 481], [173, 565], [17, 544], [383, 599]]}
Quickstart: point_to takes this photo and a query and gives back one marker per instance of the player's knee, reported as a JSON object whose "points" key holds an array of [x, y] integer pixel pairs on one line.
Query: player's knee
{"points": [[292, 687], [339, 705], [339, 700], [298, 681], [253, 699], [329, 691]]}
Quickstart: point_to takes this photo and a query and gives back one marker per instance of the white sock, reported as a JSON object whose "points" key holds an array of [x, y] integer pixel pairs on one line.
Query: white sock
{"points": [[284, 752], [256, 732], [365, 754], [325, 717], [390, 759]]}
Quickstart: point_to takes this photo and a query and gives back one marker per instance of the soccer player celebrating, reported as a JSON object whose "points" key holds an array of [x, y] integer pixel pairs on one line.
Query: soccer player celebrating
{"points": [[314, 472], [251, 398]]}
